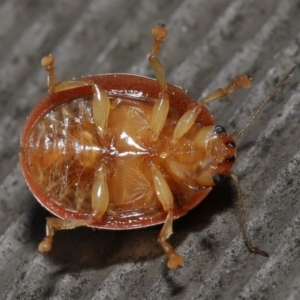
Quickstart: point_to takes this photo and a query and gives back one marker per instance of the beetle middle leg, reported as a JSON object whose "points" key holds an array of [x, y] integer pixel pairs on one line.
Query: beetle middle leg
{"points": [[165, 196]]}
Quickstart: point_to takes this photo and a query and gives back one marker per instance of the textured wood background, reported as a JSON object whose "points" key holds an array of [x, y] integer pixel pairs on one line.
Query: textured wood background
{"points": [[210, 42]]}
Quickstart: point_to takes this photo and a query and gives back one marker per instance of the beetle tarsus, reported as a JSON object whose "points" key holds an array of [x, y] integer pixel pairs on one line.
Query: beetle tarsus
{"points": [[48, 63], [175, 260], [45, 245], [159, 33], [242, 81]]}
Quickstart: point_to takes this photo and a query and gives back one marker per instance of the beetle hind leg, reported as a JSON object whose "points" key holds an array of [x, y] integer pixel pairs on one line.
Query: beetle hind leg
{"points": [[161, 106], [48, 63], [101, 102], [54, 224], [100, 201], [55, 86]]}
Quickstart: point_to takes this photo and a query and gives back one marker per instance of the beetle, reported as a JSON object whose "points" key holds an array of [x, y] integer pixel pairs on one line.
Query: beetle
{"points": [[120, 151]]}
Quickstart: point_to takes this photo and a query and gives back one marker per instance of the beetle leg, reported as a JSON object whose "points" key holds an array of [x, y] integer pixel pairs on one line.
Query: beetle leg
{"points": [[101, 108], [100, 194], [165, 196], [56, 86], [159, 33], [161, 106], [101, 102], [243, 81], [159, 115], [243, 222], [57, 224], [48, 63], [100, 201], [185, 122]]}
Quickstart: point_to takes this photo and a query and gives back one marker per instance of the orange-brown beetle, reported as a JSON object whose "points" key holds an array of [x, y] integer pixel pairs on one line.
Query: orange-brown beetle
{"points": [[121, 151]]}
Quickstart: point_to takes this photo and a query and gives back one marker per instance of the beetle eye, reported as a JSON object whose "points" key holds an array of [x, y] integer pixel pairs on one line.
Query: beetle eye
{"points": [[231, 144], [230, 158], [219, 129], [218, 179]]}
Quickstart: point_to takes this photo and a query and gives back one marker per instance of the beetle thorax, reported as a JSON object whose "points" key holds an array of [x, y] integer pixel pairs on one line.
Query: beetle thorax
{"points": [[202, 157]]}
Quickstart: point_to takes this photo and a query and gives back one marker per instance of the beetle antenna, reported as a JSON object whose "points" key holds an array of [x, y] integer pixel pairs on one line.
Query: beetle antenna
{"points": [[242, 217], [278, 85]]}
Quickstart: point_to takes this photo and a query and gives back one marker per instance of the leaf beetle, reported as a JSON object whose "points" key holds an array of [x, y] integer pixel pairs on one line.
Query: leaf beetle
{"points": [[120, 151]]}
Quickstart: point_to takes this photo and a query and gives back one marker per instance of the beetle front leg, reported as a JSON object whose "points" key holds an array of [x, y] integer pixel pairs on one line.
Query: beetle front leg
{"points": [[185, 122], [243, 81], [165, 196], [161, 106]]}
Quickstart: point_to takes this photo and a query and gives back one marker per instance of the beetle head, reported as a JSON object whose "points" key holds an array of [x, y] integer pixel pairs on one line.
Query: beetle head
{"points": [[220, 153]]}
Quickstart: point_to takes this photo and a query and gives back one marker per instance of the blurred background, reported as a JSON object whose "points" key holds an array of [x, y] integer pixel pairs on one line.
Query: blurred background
{"points": [[210, 42]]}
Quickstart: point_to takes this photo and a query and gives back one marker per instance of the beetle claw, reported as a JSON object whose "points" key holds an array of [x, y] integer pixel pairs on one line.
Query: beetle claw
{"points": [[175, 260]]}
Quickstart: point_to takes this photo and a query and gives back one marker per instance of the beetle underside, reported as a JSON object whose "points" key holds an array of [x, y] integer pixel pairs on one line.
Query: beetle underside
{"points": [[123, 157]]}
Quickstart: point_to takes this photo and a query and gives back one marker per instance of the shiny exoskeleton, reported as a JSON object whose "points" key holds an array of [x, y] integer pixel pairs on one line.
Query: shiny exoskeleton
{"points": [[121, 151]]}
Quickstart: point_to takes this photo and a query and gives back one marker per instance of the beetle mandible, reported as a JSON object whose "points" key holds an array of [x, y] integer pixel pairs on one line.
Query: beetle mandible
{"points": [[121, 151]]}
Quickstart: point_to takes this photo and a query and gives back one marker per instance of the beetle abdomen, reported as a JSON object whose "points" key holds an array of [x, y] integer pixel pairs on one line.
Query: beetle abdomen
{"points": [[64, 151], [61, 153]]}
